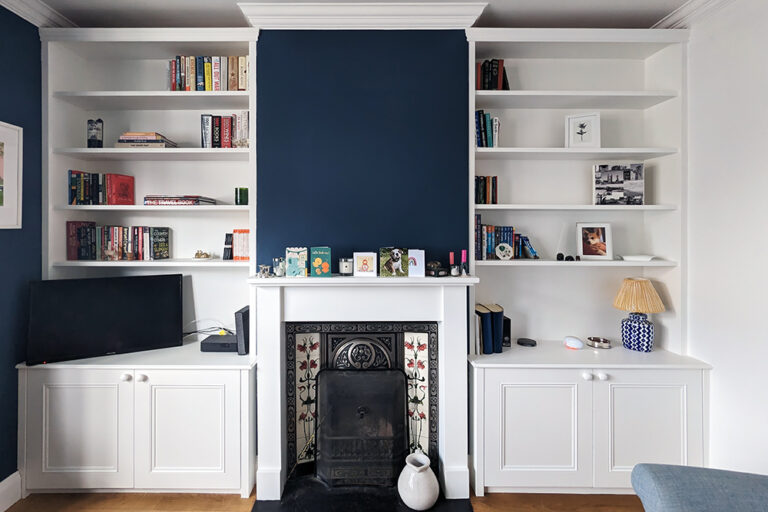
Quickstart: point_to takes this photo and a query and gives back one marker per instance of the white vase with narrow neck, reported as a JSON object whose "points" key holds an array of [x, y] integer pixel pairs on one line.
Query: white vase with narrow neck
{"points": [[417, 484]]}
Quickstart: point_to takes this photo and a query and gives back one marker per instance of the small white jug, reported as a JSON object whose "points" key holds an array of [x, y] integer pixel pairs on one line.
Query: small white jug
{"points": [[417, 484]]}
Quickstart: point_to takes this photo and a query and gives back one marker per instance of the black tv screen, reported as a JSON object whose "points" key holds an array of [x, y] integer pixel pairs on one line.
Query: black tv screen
{"points": [[78, 318]]}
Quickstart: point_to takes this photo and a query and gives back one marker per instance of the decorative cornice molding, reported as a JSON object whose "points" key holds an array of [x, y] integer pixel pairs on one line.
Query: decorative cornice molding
{"points": [[690, 11], [362, 16], [37, 13]]}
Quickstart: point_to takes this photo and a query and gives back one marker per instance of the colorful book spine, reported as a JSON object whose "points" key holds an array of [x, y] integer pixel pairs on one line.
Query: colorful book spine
{"points": [[199, 74], [208, 73]]}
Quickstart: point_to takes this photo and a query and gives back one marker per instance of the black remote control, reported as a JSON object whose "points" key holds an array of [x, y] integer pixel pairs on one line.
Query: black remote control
{"points": [[526, 342]]}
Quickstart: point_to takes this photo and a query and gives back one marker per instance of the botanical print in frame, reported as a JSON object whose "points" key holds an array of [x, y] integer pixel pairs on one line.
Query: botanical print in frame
{"points": [[10, 176]]}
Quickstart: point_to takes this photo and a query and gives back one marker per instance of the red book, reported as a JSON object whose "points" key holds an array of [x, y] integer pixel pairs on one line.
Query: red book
{"points": [[226, 131], [500, 82], [479, 76], [173, 74], [120, 189]]}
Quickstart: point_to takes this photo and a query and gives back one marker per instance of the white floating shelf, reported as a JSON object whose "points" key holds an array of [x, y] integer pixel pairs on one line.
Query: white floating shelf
{"points": [[229, 154], [155, 263], [155, 100], [572, 153], [577, 207], [572, 99], [583, 263], [143, 208]]}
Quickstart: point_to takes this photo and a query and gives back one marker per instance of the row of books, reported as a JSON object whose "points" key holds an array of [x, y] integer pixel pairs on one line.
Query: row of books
{"points": [[486, 190], [164, 200], [486, 129], [93, 188], [489, 329], [490, 75], [230, 131], [488, 238], [87, 241], [144, 140], [236, 245], [217, 73]]}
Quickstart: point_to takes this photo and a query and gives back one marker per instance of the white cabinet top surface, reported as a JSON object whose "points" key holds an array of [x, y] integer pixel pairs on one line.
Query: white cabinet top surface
{"points": [[552, 354], [185, 357]]}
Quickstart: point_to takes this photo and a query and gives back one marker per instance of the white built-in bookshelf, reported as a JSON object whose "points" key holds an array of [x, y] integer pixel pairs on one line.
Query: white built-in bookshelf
{"points": [[635, 79], [122, 77]]}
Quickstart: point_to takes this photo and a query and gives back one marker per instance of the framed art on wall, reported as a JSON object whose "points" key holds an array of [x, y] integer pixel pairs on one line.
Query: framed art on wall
{"points": [[594, 240], [10, 176]]}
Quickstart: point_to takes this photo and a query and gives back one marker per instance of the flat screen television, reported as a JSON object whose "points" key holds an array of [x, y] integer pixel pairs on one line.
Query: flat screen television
{"points": [[78, 318]]}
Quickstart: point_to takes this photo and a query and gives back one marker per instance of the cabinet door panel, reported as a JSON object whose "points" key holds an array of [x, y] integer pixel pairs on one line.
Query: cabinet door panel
{"points": [[187, 429], [646, 416], [538, 428], [80, 429]]}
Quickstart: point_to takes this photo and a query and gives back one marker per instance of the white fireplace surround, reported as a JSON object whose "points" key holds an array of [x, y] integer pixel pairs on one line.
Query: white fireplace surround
{"points": [[350, 299]]}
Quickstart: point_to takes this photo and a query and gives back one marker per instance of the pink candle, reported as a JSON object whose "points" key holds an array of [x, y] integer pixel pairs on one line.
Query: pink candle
{"points": [[463, 255], [450, 257]]}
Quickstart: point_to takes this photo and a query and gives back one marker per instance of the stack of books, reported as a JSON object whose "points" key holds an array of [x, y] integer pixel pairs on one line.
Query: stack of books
{"points": [[486, 190], [144, 140], [490, 75], [229, 131], [177, 200], [487, 130], [488, 238], [90, 188], [218, 73], [87, 241], [489, 329]]}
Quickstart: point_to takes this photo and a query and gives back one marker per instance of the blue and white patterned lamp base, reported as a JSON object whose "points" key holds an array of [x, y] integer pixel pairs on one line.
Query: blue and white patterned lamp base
{"points": [[637, 332]]}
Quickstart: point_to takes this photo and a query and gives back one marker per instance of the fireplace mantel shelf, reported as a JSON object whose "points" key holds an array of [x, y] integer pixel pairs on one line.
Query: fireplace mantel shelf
{"points": [[362, 281]]}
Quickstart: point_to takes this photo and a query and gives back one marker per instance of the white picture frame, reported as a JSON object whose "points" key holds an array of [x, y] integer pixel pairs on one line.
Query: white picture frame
{"points": [[582, 131], [11, 152], [364, 264], [594, 241]]}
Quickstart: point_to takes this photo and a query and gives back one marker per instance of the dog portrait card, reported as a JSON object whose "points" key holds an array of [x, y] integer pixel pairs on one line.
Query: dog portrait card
{"points": [[393, 262]]}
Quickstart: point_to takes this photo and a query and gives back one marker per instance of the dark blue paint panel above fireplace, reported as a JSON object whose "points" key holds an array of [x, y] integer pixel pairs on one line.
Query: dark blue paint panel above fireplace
{"points": [[362, 141]]}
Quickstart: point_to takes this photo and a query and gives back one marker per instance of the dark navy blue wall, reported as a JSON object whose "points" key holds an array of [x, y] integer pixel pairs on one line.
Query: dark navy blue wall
{"points": [[362, 141], [20, 104]]}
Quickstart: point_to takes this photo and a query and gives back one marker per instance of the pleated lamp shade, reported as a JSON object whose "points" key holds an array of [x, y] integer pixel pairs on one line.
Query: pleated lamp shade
{"points": [[638, 295]]}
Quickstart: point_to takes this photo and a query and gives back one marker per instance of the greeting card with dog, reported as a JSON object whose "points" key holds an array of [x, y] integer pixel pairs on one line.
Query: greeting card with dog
{"points": [[393, 262]]}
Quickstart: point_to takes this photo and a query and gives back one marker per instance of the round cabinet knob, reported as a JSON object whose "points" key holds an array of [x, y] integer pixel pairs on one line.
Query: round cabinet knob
{"points": [[602, 376], [126, 377], [587, 376], [142, 378]]}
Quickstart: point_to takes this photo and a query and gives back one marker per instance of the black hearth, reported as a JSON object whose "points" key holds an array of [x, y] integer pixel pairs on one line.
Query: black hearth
{"points": [[361, 428]]}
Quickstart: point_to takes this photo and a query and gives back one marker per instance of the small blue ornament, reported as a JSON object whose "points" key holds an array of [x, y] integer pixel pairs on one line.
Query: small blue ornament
{"points": [[637, 332]]}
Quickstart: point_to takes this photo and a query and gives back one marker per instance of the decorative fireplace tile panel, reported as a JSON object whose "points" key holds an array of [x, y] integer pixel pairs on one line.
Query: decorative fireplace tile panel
{"points": [[366, 346]]}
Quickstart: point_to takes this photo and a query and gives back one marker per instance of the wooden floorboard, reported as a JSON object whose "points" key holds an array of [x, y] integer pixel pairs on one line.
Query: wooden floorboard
{"points": [[145, 502]]}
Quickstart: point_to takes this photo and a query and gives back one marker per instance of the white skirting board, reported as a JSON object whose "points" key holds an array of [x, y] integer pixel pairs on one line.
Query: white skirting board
{"points": [[10, 491]]}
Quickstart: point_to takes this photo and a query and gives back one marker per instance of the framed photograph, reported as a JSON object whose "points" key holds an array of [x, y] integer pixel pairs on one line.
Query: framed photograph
{"points": [[582, 131], [594, 240], [393, 262], [618, 184], [365, 264], [10, 176]]}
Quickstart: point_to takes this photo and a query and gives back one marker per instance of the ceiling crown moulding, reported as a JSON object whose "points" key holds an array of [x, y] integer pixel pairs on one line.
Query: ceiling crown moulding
{"points": [[690, 11], [363, 16], [37, 13]]}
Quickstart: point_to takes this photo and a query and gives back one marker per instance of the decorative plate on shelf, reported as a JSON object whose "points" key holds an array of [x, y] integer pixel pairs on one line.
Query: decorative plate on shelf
{"points": [[504, 251]]}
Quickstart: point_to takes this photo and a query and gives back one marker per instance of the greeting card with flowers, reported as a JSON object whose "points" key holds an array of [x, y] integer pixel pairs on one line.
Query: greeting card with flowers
{"points": [[320, 262]]}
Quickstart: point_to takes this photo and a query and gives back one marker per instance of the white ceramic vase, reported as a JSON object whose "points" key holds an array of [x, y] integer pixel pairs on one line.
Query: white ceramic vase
{"points": [[417, 484]]}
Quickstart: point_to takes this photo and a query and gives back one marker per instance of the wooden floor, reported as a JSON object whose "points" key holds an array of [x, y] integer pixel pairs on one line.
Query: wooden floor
{"points": [[133, 502]]}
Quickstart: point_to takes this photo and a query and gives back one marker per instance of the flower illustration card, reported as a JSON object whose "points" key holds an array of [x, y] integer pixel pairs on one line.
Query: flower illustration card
{"points": [[320, 262], [296, 262], [365, 264]]}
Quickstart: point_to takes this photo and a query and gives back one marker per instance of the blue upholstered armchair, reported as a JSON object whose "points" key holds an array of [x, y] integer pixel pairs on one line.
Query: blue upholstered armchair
{"points": [[665, 488]]}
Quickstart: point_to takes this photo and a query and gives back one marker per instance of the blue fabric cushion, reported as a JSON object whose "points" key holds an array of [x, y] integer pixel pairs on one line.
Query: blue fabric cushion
{"points": [[665, 488]]}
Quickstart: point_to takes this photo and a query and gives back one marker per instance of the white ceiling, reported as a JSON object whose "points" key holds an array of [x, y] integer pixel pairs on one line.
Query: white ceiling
{"points": [[499, 13]]}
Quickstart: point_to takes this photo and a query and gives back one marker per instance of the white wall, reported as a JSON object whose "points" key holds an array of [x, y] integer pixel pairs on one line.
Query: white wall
{"points": [[728, 227]]}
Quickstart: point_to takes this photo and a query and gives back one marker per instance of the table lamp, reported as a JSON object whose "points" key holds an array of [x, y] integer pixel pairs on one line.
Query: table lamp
{"points": [[639, 297]]}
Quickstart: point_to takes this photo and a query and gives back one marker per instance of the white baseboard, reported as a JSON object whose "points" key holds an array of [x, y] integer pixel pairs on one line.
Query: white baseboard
{"points": [[10, 491]]}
